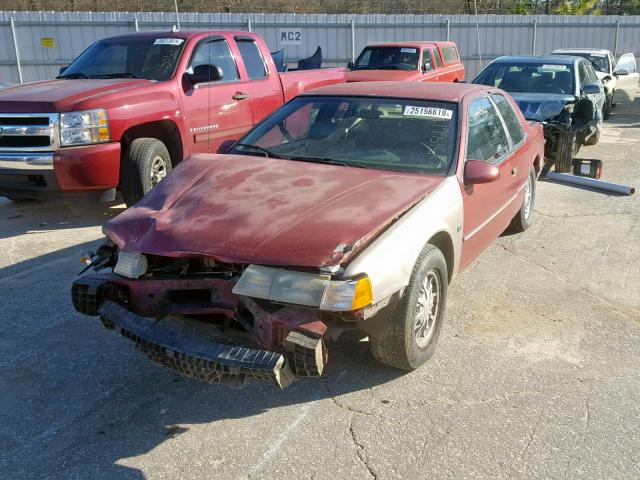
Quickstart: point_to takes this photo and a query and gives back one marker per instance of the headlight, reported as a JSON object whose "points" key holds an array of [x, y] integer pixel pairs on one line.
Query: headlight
{"points": [[302, 288], [131, 264], [84, 127]]}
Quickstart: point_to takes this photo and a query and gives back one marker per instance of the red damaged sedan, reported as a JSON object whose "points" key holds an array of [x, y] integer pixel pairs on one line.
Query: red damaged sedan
{"points": [[350, 207]]}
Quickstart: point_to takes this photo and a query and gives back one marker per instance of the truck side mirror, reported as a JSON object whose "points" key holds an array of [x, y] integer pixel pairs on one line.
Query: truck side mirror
{"points": [[350, 65], [477, 171], [203, 74], [426, 66]]}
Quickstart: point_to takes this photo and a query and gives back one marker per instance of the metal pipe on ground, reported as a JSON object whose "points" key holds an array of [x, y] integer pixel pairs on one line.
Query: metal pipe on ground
{"points": [[591, 182]]}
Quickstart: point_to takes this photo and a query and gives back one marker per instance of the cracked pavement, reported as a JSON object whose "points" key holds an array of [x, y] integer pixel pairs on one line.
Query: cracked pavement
{"points": [[535, 376]]}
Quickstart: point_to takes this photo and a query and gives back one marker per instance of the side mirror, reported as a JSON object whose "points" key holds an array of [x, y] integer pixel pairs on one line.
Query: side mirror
{"points": [[591, 89], [350, 65], [62, 69], [203, 74], [477, 171], [426, 66], [226, 146], [621, 71]]}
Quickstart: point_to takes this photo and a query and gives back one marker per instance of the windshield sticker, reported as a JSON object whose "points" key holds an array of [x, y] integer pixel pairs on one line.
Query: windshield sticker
{"points": [[428, 112], [168, 41], [408, 50], [599, 55], [555, 67]]}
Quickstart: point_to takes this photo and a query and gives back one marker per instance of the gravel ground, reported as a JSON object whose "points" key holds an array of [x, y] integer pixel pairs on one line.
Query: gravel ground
{"points": [[536, 373]]}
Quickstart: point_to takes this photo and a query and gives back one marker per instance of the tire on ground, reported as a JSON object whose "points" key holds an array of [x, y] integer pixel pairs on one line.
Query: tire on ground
{"points": [[565, 151], [524, 218], [397, 345], [138, 174]]}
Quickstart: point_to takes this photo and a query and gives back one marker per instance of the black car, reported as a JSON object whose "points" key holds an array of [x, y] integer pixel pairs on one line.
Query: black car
{"points": [[561, 92]]}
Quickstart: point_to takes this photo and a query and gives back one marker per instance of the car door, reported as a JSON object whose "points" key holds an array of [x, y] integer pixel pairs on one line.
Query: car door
{"points": [[488, 208], [592, 77], [215, 111], [627, 76]]}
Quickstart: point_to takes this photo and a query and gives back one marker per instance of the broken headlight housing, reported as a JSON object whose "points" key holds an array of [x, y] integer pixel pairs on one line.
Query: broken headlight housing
{"points": [[131, 264], [302, 288]]}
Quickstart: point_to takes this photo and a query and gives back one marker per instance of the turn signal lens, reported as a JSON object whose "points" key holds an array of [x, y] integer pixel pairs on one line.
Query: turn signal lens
{"points": [[348, 295]]}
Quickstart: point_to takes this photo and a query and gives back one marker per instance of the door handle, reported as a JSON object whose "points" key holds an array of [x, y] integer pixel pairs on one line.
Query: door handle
{"points": [[514, 171], [239, 96]]}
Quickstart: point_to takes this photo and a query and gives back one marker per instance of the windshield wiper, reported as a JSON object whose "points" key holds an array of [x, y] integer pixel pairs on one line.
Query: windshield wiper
{"points": [[267, 153], [116, 75], [331, 161], [73, 75]]}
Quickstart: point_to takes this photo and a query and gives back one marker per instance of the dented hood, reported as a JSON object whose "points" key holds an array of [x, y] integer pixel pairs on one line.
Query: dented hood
{"points": [[542, 106], [245, 209]]}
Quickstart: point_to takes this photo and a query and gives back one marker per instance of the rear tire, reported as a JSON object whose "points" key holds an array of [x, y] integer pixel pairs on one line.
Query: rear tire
{"points": [[566, 149], [524, 218], [146, 163], [412, 328]]}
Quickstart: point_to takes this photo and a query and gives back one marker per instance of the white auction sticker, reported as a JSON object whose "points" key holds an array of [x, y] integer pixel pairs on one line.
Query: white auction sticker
{"points": [[555, 67], [168, 41], [408, 50], [429, 112], [599, 55]]}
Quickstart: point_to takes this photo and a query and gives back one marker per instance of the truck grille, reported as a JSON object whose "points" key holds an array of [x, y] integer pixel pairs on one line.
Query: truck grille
{"points": [[30, 132]]}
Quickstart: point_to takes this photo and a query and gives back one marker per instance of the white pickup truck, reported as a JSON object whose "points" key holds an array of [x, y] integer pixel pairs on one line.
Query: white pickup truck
{"points": [[620, 82]]}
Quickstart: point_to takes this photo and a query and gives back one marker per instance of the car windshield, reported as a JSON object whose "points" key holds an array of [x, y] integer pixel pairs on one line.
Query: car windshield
{"points": [[153, 58], [390, 134], [600, 61], [388, 58], [546, 77]]}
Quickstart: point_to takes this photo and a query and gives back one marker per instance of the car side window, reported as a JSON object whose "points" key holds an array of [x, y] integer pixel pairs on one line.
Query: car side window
{"points": [[591, 74], [627, 62], [427, 60], [486, 138], [436, 54], [216, 52], [510, 118], [583, 75], [252, 58]]}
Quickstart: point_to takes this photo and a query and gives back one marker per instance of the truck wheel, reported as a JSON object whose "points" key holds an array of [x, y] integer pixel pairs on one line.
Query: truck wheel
{"points": [[606, 110], [147, 163], [412, 328], [567, 147], [524, 218]]}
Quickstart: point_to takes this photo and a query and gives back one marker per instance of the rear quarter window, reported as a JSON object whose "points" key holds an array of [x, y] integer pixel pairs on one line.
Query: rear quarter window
{"points": [[450, 54], [252, 58]]}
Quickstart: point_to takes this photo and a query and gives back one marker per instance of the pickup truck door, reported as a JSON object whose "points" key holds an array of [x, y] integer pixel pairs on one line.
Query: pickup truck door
{"points": [[218, 110], [264, 87], [430, 72], [489, 208], [627, 75]]}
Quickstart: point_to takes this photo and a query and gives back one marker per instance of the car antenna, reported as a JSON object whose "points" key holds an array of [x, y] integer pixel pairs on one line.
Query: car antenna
{"points": [[176, 27]]}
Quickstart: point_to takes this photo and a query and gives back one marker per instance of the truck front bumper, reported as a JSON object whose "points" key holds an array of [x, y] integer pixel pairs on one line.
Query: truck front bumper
{"points": [[91, 168]]}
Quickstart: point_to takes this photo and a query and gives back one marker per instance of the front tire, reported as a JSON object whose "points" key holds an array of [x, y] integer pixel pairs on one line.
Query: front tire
{"points": [[147, 162], [566, 149], [412, 328], [524, 218]]}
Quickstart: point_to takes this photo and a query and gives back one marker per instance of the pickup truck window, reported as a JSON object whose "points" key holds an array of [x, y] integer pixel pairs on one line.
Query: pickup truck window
{"points": [[510, 118], [388, 58], [427, 60], [450, 54], [252, 58], [216, 52], [486, 138], [436, 54], [389, 134], [154, 58]]}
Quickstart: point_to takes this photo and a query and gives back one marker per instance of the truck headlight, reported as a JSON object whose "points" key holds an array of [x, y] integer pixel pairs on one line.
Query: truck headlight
{"points": [[84, 127], [301, 288]]}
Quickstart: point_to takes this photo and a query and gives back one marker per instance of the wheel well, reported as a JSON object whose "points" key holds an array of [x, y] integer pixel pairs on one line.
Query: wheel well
{"points": [[166, 131], [442, 240]]}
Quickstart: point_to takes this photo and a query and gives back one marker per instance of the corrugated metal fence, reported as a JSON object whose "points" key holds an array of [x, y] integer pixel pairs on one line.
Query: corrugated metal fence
{"points": [[37, 44]]}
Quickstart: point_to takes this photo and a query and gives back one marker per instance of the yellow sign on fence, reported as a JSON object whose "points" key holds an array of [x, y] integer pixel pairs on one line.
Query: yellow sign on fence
{"points": [[48, 42]]}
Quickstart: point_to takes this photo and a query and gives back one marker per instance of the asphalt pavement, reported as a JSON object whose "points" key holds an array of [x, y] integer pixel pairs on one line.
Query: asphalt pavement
{"points": [[536, 375]]}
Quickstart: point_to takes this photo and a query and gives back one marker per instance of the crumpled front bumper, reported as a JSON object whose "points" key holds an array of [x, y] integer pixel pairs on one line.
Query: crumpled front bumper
{"points": [[188, 347]]}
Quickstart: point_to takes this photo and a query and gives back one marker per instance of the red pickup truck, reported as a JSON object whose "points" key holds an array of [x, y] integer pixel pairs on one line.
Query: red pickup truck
{"points": [[131, 107], [408, 62]]}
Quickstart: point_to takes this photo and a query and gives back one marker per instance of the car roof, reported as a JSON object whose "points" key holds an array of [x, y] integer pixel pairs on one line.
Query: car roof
{"points": [[580, 50], [557, 59], [184, 34], [437, 91], [413, 43]]}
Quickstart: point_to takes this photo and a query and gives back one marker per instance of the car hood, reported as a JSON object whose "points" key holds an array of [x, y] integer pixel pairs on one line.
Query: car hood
{"points": [[383, 75], [244, 209], [542, 106], [61, 95]]}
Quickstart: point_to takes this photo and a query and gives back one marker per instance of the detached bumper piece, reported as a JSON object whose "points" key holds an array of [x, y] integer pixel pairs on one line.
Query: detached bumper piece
{"points": [[193, 348]]}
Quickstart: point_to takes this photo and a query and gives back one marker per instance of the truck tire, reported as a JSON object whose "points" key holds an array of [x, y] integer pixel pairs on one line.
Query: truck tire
{"points": [[524, 218], [566, 148], [146, 163], [412, 327]]}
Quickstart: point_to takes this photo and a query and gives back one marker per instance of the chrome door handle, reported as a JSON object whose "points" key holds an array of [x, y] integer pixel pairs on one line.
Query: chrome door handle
{"points": [[239, 96], [514, 171]]}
